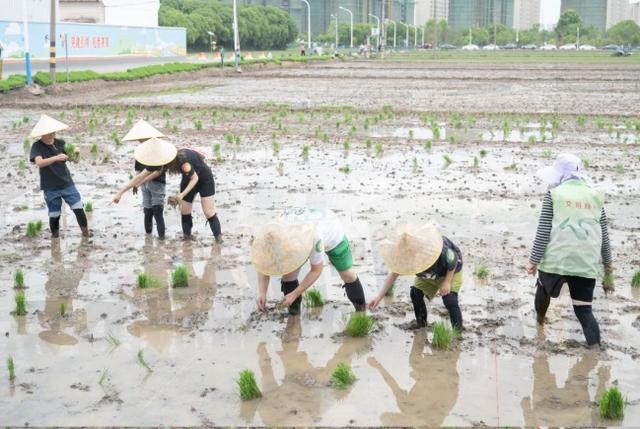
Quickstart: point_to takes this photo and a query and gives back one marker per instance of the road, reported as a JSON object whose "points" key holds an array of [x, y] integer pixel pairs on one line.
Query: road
{"points": [[107, 64]]}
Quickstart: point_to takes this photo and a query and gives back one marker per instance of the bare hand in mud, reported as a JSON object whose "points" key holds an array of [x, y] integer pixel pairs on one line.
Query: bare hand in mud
{"points": [[116, 199], [532, 269], [174, 200], [289, 298], [261, 303], [134, 190], [444, 290], [61, 157], [373, 304]]}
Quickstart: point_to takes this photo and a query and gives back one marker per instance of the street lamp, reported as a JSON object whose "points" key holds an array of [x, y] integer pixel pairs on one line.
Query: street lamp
{"points": [[336, 17], [211, 34], [377, 19], [406, 36], [415, 36], [422, 28], [351, 16], [236, 37], [394, 31], [308, 24]]}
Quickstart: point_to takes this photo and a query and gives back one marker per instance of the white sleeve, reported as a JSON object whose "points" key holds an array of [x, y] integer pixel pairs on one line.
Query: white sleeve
{"points": [[317, 254]]}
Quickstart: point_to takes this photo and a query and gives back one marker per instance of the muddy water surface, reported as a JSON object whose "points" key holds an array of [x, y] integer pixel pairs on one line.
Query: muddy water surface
{"points": [[82, 367]]}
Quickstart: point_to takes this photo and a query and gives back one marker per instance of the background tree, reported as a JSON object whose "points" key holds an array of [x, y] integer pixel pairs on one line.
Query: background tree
{"points": [[624, 33], [567, 25]]}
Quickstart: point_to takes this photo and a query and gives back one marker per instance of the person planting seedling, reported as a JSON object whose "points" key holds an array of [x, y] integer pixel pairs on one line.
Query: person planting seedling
{"points": [[151, 180], [282, 248], [48, 153], [571, 241], [436, 262]]}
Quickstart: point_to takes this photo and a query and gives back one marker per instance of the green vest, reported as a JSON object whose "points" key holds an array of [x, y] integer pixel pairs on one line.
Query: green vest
{"points": [[576, 236]]}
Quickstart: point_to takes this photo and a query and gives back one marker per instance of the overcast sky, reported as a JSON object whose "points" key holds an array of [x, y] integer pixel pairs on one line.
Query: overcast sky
{"points": [[550, 12]]}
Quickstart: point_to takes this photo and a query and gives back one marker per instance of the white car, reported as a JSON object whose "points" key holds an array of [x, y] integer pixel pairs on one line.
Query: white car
{"points": [[491, 47], [568, 47], [546, 47], [587, 48], [470, 47]]}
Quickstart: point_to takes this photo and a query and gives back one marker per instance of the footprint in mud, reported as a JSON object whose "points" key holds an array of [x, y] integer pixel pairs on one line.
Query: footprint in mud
{"points": [[80, 386]]}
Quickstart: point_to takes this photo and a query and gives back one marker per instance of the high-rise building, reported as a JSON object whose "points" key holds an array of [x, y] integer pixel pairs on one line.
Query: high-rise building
{"points": [[526, 14], [592, 12], [622, 10], [431, 9], [480, 13]]}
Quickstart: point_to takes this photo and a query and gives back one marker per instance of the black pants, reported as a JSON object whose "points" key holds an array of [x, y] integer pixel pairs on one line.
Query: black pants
{"points": [[549, 286]]}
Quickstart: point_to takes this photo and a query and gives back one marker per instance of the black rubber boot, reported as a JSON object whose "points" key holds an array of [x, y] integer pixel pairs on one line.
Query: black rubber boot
{"points": [[54, 225], [542, 302], [148, 220], [589, 324], [187, 224], [158, 215], [455, 315], [355, 293], [214, 224], [81, 217], [288, 287], [419, 307]]}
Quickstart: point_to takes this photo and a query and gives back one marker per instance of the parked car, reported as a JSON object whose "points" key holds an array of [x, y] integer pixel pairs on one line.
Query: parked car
{"points": [[491, 47], [470, 47], [587, 48], [510, 46], [610, 48], [568, 47], [427, 46], [447, 46], [530, 46], [547, 47], [622, 52]]}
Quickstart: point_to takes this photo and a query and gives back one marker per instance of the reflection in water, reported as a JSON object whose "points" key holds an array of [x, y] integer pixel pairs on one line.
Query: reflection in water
{"points": [[434, 392], [570, 405], [192, 305], [61, 288], [298, 400]]}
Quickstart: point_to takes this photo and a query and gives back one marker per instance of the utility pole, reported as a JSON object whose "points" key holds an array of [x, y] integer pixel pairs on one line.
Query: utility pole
{"points": [[577, 37], [308, 24], [27, 55], [383, 30], [351, 17], [52, 43], [236, 37]]}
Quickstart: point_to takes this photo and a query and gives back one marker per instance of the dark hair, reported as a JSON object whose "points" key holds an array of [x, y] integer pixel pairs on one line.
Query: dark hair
{"points": [[175, 166]]}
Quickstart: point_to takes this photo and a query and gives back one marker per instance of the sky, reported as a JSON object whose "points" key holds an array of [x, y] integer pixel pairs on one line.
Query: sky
{"points": [[550, 11]]}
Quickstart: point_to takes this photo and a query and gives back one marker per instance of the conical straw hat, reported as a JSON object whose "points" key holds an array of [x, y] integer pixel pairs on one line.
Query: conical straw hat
{"points": [[47, 125], [411, 249], [142, 130], [279, 248], [155, 152]]}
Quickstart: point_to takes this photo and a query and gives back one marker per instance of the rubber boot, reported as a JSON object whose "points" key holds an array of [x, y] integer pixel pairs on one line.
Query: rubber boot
{"points": [[54, 225], [187, 224], [158, 215], [81, 217], [419, 307], [589, 324], [148, 220], [355, 293], [455, 314], [542, 302], [214, 224], [288, 287]]}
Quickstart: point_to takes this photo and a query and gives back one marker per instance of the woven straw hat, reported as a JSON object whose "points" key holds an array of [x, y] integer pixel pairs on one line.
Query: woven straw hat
{"points": [[411, 249], [142, 130], [279, 248], [155, 152], [47, 125]]}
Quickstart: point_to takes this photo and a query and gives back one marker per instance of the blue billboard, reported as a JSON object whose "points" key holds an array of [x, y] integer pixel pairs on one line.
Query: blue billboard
{"points": [[93, 40]]}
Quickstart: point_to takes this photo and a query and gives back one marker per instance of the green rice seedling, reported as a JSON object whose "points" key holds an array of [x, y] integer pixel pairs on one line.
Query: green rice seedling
{"points": [[512, 166], [546, 154], [94, 148], [217, 152], [410, 134], [635, 280], [115, 138], [618, 168], [352, 131], [130, 116], [26, 145], [112, 339], [345, 169], [236, 139], [103, 376], [586, 162], [483, 153], [447, 160], [247, 385], [365, 125], [305, 152], [33, 229], [481, 272], [61, 115], [346, 145], [531, 139], [276, 147], [11, 368], [197, 124], [143, 363], [612, 404], [180, 276], [435, 130], [174, 128], [313, 298], [428, 145], [414, 164], [91, 125], [476, 163], [300, 117], [88, 206], [325, 137], [506, 129], [317, 131], [379, 149], [72, 152], [147, 281], [22, 165], [25, 119], [581, 121], [600, 123], [452, 139], [62, 309], [443, 335], [253, 128], [76, 111], [21, 304], [18, 279], [359, 325], [368, 143], [337, 125], [391, 291], [342, 377]]}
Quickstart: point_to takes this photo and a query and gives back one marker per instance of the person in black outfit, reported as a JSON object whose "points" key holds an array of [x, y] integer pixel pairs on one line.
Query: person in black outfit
{"points": [[48, 153], [197, 178]]}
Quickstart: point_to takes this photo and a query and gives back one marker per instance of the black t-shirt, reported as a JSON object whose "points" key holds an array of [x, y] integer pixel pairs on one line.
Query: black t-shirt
{"points": [[197, 164], [450, 259], [162, 178], [55, 176]]}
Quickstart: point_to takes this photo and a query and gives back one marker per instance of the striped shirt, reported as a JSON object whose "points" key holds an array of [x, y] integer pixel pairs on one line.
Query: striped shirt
{"points": [[544, 233]]}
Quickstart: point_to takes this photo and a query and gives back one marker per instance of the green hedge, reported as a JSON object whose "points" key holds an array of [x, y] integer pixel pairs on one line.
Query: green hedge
{"points": [[42, 78], [14, 81]]}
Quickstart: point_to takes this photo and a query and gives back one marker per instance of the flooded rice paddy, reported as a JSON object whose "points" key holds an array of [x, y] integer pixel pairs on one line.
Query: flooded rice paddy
{"points": [[376, 142]]}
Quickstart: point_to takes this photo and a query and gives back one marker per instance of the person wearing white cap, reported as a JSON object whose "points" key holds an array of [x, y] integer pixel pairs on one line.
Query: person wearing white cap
{"points": [[436, 262], [571, 241], [301, 234], [48, 153], [150, 180]]}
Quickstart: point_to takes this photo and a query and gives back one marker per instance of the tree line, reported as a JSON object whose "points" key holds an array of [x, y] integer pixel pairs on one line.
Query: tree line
{"points": [[260, 27]]}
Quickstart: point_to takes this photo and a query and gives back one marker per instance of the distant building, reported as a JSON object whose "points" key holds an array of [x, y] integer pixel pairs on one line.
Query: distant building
{"points": [[526, 14], [431, 9], [592, 12], [480, 13], [622, 10], [111, 12], [12, 10]]}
